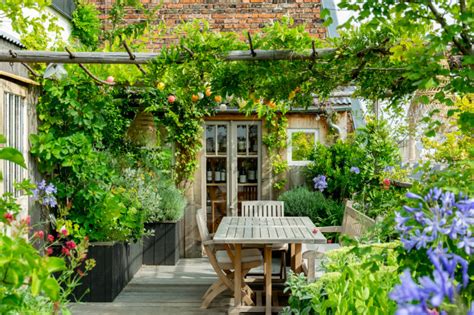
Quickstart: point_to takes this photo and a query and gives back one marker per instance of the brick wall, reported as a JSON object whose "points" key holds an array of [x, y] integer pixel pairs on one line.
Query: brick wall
{"points": [[228, 15]]}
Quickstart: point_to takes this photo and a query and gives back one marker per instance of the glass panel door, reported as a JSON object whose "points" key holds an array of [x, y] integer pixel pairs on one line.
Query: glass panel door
{"points": [[216, 173], [248, 163], [232, 168]]}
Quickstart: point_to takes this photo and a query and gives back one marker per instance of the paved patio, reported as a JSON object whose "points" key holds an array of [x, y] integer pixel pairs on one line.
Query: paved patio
{"points": [[165, 290]]}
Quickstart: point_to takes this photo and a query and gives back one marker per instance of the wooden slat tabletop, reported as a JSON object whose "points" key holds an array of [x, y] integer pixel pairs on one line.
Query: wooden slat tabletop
{"points": [[267, 230]]}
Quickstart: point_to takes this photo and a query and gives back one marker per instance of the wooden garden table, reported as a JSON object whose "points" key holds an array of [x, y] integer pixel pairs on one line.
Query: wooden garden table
{"points": [[238, 231]]}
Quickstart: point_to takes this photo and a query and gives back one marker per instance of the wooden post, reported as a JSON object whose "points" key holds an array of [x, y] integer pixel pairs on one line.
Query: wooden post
{"points": [[30, 56]]}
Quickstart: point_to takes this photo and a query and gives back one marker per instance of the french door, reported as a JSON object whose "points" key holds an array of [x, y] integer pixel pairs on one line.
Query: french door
{"points": [[231, 166]]}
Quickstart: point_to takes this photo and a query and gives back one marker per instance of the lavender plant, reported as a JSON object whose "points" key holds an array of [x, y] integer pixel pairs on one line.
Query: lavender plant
{"points": [[442, 224]]}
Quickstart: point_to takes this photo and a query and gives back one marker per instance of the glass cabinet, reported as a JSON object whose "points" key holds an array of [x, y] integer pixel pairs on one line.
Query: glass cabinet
{"points": [[231, 167]]}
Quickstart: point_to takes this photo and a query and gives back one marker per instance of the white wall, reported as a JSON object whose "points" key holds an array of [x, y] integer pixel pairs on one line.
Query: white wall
{"points": [[64, 23]]}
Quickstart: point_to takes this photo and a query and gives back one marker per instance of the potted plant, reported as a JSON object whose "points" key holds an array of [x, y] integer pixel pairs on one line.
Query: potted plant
{"points": [[163, 216]]}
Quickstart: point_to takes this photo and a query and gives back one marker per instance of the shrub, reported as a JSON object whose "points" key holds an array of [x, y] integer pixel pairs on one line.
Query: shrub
{"points": [[302, 202], [172, 204], [357, 281]]}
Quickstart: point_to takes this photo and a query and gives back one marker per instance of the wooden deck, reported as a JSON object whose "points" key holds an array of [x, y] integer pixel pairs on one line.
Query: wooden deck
{"points": [[164, 290]]}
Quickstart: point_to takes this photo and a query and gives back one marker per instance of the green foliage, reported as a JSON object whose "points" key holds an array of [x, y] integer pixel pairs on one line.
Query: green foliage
{"points": [[78, 121], [322, 211], [86, 24], [372, 151], [335, 162], [172, 204], [357, 281], [20, 264]]}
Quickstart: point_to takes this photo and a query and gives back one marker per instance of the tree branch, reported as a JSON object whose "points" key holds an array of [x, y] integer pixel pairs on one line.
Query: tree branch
{"points": [[440, 19], [465, 29]]}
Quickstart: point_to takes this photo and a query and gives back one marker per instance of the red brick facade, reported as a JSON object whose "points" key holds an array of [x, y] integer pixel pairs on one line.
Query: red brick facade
{"points": [[230, 15]]}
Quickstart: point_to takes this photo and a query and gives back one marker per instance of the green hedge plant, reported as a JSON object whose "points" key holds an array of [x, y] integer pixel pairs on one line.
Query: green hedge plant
{"points": [[322, 211]]}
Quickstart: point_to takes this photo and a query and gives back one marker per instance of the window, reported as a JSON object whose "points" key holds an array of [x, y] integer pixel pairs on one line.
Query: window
{"points": [[14, 125], [301, 143]]}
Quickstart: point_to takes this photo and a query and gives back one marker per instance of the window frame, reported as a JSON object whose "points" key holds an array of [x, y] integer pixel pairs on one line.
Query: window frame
{"points": [[290, 132]]}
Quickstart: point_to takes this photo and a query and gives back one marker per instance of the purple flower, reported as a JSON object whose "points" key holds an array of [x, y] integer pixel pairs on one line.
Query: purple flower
{"points": [[434, 194], [44, 194], [467, 242], [438, 288], [413, 196], [320, 183], [401, 220], [407, 290], [355, 170], [50, 189], [410, 309], [471, 310]]}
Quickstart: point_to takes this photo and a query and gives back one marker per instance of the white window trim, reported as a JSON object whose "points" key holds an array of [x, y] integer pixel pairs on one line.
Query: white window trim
{"points": [[290, 146]]}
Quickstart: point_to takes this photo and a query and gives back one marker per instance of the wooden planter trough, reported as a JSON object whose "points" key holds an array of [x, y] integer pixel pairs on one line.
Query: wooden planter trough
{"points": [[116, 264], [163, 247]]}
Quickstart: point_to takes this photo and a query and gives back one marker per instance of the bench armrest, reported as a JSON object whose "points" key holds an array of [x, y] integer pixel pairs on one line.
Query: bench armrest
{"points": [[330, 229]]}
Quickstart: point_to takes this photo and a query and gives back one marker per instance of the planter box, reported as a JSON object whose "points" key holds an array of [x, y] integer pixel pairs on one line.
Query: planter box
{"points": [[116, 264], [163, 247]]}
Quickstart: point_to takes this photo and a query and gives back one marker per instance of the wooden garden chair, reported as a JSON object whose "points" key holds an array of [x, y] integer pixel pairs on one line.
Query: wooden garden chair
{"points": [[222, 261], [268, 208], [354, 224]]}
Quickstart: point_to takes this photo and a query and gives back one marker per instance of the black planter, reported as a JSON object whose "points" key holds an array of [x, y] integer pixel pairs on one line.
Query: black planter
{"points": [[116, 264], [163, 247]]}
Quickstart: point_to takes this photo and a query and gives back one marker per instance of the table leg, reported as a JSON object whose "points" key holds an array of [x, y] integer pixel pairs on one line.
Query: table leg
{"points": [[298, 258], [237, 275], [268, 279]]}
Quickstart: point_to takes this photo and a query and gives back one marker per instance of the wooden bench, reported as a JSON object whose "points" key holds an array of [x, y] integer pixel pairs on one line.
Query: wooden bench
{"points": [[354, 224]]}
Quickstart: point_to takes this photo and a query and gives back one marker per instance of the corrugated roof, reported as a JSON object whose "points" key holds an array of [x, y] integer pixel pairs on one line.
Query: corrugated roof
{"points": [[11, 39]]}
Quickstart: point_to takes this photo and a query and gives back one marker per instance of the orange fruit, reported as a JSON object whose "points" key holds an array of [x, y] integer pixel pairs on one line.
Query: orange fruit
{"points": [[195, 98], [218, 98]]}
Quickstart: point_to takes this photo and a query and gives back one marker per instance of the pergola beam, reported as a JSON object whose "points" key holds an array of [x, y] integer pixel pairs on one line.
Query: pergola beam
{"points": [[29, 56]]}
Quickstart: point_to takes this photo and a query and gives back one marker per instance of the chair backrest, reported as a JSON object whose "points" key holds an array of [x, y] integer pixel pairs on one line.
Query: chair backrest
{"points": [[263, 208], [355, 223], [202, 226]]}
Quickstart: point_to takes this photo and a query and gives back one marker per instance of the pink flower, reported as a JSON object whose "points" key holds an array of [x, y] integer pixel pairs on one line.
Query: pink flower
{"points": [[315, 231], [50, 238], [39, 234], [329, 241], [26, 220], [70, 244], [65, 251], [48, 251], [386, 182], [64, 231], [9, 217]]}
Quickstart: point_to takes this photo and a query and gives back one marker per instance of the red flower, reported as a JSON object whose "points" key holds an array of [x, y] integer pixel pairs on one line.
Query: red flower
{"points": [[329, 241], [65, 251], [50, 238], [48, 251], [64, 231], [315, 231], [39, 234], [9, 217], [70, 244], [386, 182], [26, 220]]}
